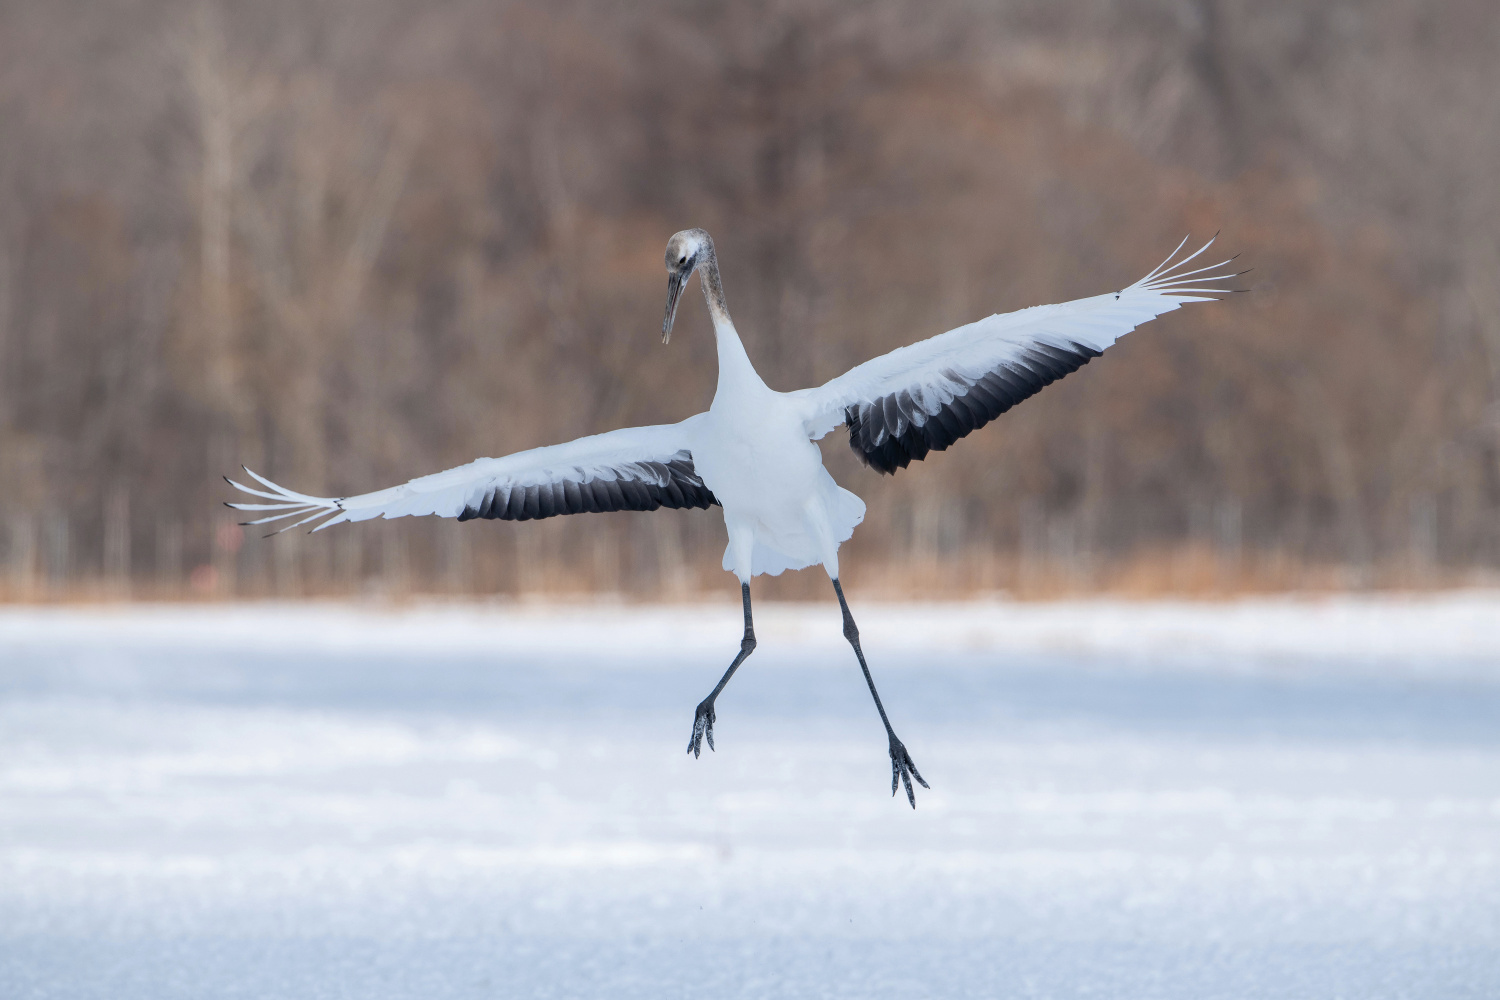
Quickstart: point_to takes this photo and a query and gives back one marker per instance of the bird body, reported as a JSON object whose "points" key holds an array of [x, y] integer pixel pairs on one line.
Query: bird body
{"points": [[754, 451], [782, 510]]}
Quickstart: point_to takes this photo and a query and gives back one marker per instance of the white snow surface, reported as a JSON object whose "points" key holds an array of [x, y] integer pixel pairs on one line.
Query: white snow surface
{"points": [[1296, 797]]}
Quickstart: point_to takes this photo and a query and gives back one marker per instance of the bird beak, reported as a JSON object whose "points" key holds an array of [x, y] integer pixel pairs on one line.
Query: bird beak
{"points": [[675, 282]]}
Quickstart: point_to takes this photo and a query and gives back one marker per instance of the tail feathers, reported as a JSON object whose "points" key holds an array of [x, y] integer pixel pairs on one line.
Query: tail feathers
{"points": [[287, 504]]}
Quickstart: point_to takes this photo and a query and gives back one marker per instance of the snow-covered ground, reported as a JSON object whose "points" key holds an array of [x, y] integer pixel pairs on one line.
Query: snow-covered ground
{"points": [[1289, 798]]}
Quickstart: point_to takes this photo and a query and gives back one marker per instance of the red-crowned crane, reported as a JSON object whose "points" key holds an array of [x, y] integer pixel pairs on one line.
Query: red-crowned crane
{"points": [[752, 452]]}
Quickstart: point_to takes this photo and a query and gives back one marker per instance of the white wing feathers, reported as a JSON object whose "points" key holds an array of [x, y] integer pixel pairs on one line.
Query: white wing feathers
{"points": [[635, 468], [925, 396], [898, 407]]}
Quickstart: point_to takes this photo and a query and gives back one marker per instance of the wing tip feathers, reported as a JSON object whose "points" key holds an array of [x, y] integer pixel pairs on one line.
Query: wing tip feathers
{"points": [[1170, 280], [299, 504]]}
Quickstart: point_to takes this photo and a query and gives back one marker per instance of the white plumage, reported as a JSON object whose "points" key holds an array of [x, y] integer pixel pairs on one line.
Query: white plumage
{"points": [[751, 449], [752, 452], [933, 371], [628, 454]]}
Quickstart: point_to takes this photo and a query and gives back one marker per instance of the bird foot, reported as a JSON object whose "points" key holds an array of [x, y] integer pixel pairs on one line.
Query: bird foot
{"points": [[903, 770], [703, 727]]}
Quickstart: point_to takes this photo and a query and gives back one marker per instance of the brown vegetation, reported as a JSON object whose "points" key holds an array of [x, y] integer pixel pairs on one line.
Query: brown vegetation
{"points": [[354, 241]]}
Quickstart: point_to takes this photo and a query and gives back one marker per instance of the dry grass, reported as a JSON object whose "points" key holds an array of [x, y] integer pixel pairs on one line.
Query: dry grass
{"points": [[1191, 572]]}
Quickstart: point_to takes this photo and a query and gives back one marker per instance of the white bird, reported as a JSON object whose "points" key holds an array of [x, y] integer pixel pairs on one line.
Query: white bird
{"points": [[752, 452]]}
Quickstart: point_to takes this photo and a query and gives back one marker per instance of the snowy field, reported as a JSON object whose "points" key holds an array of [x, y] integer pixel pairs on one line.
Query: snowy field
{"points": [[1266, 799]]}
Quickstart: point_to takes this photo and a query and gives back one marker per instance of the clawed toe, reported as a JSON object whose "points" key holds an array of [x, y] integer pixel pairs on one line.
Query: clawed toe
{"points": [[903, 770], [703, 728]]}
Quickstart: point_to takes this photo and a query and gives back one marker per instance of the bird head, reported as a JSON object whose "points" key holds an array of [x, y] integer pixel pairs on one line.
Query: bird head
{"points": [[686, 252]]}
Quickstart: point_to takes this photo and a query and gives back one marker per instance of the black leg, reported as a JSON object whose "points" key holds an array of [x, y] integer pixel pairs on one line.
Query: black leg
{"points": [[703, 720], [902, 768]]}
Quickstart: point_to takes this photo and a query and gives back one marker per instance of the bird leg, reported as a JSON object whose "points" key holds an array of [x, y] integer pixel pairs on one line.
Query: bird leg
{"points": [[703, 720], [902, 768]]}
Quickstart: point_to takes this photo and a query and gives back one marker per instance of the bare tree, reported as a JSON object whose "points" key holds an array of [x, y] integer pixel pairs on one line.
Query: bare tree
{"points": [[353, 242]]}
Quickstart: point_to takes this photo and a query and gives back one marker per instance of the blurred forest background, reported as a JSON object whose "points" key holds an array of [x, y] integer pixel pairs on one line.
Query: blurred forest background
{"points": [[348, 242]]}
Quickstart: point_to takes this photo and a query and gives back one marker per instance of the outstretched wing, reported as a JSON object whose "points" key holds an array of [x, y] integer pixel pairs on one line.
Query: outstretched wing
{"points": [[926, 396], [636, 468]]}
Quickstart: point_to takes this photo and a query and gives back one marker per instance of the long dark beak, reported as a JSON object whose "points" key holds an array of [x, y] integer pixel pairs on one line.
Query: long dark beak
{"points": [[675, 283]]}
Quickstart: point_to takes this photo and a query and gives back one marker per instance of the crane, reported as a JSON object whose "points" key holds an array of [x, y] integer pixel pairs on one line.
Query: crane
{"points": [[753, 452]]}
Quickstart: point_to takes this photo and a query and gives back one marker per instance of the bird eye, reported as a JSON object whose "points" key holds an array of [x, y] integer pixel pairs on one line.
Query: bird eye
{"points": [[682, 260]]}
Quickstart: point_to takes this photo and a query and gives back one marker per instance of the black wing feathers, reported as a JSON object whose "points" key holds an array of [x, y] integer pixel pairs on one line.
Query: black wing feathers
{"points": [[893, 431], [642, 486]]}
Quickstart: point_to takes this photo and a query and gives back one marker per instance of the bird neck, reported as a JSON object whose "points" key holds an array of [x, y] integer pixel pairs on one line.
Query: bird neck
{"points": [[734, 364]]}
